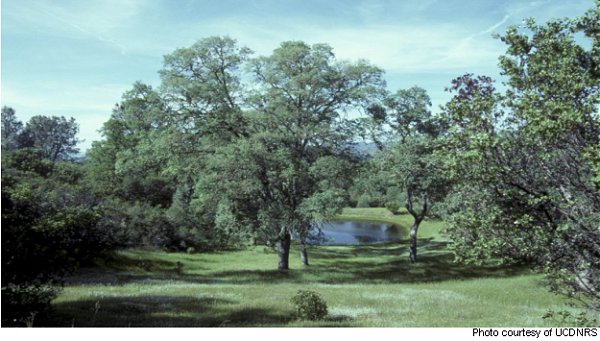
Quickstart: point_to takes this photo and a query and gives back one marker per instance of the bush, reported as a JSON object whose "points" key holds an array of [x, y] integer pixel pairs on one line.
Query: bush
{"points": [[363, 201], [393, 207], [21, 302], [309, 305]]}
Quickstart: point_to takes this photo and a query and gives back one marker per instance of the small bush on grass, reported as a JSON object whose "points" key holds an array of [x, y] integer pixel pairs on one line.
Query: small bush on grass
{"points": [[393, 207], [309, 305]]}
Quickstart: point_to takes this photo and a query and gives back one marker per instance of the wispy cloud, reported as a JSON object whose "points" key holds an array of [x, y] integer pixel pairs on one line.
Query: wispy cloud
{"points": [[100, 20], [470, 51], [96, 35], [396, 48], [494, 27]]}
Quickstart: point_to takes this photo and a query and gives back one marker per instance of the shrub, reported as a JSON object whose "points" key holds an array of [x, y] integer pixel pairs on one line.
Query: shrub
{"points": [[393, 207], [21, 302], [309, 305], [363, 201]]}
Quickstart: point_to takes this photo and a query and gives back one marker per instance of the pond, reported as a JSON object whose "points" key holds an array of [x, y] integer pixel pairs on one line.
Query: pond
{"points": [[360, 232]]}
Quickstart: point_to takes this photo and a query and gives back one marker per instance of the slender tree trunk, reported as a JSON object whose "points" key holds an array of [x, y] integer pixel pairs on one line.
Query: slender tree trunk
{"points": [[283, 251], [413, 241], [418, 218], [303, 253]]}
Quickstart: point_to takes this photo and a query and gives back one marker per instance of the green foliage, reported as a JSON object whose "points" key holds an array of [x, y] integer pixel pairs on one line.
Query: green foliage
{"points": [[566, 318], [21, 301], [204, 84], [529, 152], [363, 201], [393, 207], [287, 168], [407, 135], [229, 232], [50, 225], [137, 224], [27, 160], [369, 186], [309, 305], [394, 194], [128, 164], [11, 128], [54, 136]]}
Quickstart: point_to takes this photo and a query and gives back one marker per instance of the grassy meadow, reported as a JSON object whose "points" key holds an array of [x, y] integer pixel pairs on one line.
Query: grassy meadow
{"points": [[364, 286]]}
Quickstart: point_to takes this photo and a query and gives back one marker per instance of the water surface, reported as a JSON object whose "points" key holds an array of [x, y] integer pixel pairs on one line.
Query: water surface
{"points": [[360, 232]]}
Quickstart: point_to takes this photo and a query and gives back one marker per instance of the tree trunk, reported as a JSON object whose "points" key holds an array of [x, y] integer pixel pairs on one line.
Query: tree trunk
{"points": [[283, 251], [303, 253], [413, 241], [418, 218]]}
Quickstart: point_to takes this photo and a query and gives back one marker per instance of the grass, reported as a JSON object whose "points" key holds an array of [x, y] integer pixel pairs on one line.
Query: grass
{"points": [[364, 286]]}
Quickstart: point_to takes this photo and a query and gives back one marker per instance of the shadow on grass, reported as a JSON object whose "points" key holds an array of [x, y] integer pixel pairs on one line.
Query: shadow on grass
{"points": [[378, 263], [434, 264], [370, 264], [159, 311], [430, 268]]}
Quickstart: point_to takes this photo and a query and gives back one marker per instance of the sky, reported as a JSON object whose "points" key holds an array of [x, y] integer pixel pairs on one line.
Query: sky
{"points": [[76, 58]]}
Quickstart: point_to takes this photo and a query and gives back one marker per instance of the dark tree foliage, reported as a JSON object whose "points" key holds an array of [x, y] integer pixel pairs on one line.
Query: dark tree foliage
{"points": [[50, 218], [54, 136], [126, 170], [49, 227]]}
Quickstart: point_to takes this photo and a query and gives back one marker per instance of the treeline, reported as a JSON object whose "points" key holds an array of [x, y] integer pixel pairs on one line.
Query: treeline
{"points": [[233, 150]]}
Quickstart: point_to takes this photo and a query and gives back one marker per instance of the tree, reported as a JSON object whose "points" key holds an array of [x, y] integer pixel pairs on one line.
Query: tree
{"points": [[203, 85], [11, 128], [127, 169], [533, 154], [410, 162], [157, 142], [274, 174], [54, 136]]}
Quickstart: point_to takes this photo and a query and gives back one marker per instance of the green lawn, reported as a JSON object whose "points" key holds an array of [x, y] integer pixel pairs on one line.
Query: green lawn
{"points": [[369, 286]]}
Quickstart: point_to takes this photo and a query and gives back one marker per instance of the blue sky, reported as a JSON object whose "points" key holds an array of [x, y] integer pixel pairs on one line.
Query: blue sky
{"points": [[76, 58]]}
